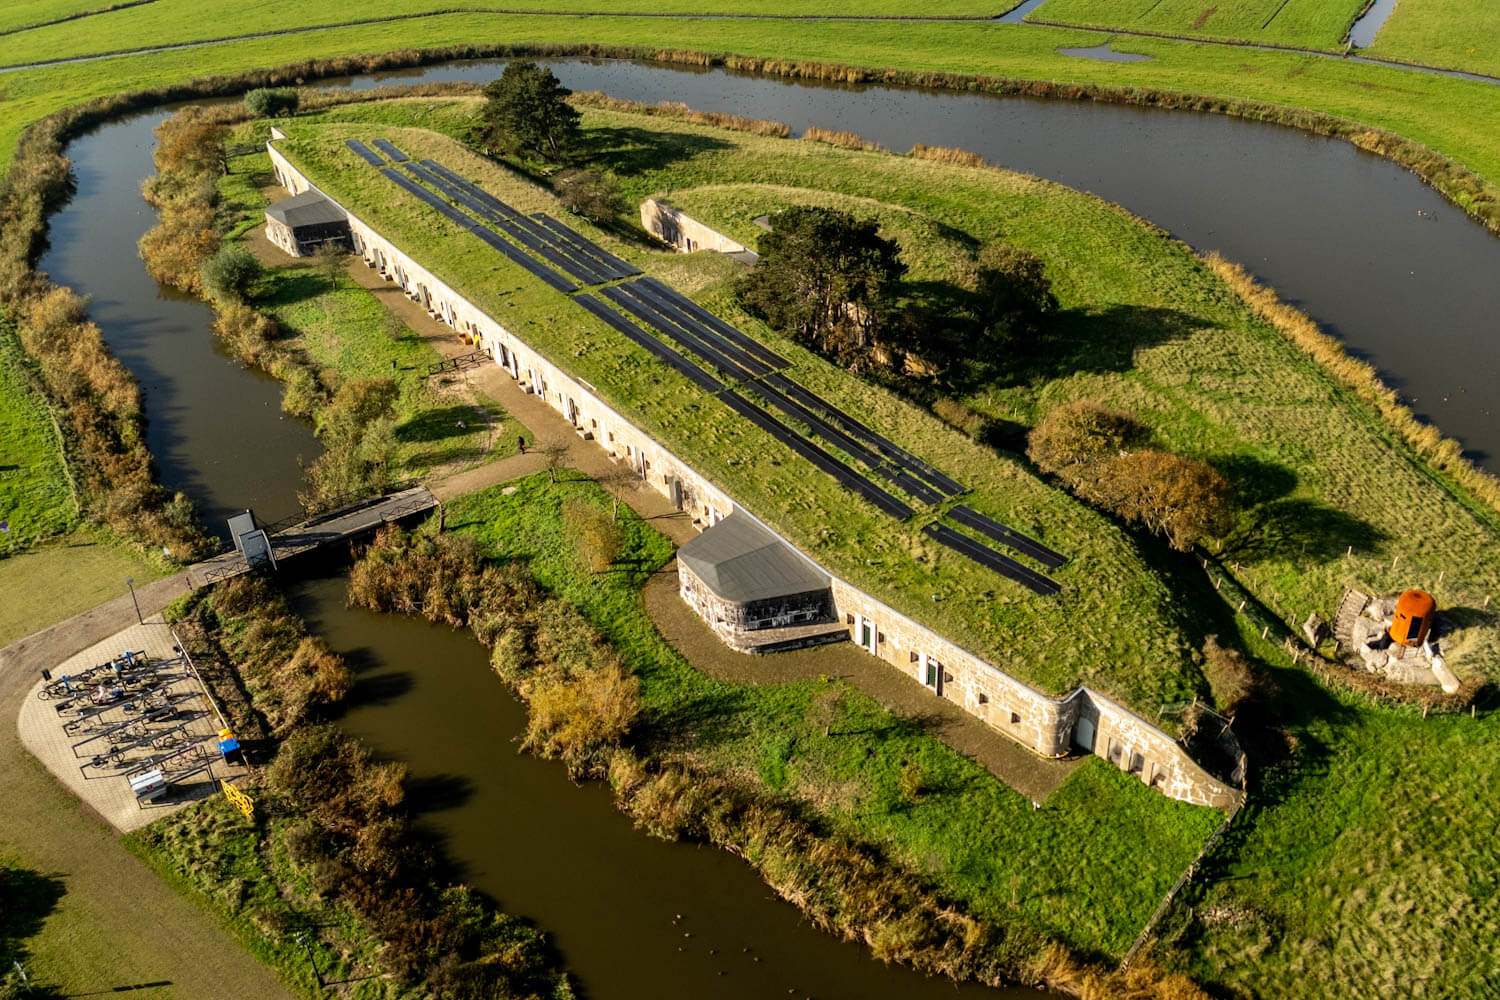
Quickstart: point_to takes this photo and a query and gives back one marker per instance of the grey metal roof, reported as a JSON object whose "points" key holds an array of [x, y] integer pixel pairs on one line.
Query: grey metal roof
{"points": [[309, 208], [741, 561]]}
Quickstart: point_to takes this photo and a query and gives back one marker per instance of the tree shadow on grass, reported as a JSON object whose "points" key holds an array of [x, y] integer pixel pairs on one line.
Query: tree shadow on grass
{"points": [[1299, 529], [697, 723], [633, 151], [287, 286], [27, 898], [441, 423], [1080, 342]]}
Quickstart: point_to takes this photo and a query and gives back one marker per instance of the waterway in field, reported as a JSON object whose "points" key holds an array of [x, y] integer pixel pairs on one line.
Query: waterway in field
{"points": [[1405, 279]]}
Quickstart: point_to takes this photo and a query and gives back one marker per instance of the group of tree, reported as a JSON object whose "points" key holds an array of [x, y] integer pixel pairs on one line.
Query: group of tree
{"points": [[1101, 455], [832, 281], [357, 428], [526, 113], [826, 278], [276, 102]]}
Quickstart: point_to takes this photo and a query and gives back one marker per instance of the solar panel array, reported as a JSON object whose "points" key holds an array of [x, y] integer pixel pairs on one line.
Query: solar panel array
{"points": [[989, 558], [364, 152], [1007, 536], [389, 150], [736, 356]]}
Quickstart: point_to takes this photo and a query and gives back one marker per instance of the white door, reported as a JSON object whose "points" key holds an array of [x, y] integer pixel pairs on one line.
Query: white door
{"points": [[1083, 734]]}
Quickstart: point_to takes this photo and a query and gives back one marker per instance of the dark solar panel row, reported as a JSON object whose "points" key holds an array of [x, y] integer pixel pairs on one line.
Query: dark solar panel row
{"points": [[1007, 536], [678, 336], [385, 147], [457, 196], [990, 559], [738, 337], [748, 364], [623, 268], [815, 455], [364, 152], [946, 486], [551, 277], [644, 303], [430, 199], [607, 266], [696, 375]]}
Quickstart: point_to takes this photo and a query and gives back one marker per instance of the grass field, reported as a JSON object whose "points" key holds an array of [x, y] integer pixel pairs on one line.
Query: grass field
{"points": [[1368, 867], [58, 579], [980, 843], [1145, 666], [1457, 33], [1313, 24], [35, 497], [1458, 118]]}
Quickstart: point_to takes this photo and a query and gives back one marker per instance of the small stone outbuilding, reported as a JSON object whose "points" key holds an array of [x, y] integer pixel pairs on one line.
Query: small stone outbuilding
{"points": [[756, 592], [303, 223]]}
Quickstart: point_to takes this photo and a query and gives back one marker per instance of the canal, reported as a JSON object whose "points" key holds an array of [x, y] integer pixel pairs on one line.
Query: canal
{"points": [[1375, 256]]}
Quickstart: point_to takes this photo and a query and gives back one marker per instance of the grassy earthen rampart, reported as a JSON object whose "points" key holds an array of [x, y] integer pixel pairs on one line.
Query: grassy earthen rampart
{"points": [[1053, 643]]}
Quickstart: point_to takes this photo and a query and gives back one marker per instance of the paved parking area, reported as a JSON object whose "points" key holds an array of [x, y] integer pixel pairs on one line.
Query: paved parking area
{"points": [[151, 717]]}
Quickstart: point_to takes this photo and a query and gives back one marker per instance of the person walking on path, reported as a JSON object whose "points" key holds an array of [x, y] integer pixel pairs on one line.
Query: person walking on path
{"points": [[521, 441]]}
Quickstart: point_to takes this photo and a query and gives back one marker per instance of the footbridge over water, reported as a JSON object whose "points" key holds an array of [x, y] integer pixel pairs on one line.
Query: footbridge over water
{"points": [[306, 533]]}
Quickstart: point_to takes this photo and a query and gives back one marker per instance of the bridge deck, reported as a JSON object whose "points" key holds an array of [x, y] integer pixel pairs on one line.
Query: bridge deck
{"points": [[337, 525]]}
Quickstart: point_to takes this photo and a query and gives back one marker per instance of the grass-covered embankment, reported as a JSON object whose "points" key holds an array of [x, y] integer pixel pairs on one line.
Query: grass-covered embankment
{"points": [[1365, 865], [1055, 644], [36, 495], [1146, 327], [1309, 24], [331, 853], [862, 817]]}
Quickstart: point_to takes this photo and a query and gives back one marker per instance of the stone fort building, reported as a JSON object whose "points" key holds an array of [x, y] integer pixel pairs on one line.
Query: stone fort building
{"points": [[761, 593]]}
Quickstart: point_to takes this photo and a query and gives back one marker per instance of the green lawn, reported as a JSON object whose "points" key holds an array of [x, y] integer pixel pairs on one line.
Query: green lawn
{"points": [[1313, 24], [1371, 868], [348, 332], [1058, 870], [63, 577], [1456, 117], [1453, 33], [21, 15], [35, 497]]}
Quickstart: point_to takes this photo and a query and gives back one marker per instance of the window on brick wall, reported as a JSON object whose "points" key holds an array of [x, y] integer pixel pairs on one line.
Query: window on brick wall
{"points": [[1015, 719]]}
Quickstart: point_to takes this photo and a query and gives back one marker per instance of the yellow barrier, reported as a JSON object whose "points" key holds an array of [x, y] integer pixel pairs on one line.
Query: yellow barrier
{"points": [[240, 801]]}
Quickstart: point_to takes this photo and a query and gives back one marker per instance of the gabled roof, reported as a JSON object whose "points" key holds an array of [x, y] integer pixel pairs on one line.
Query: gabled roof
{"points": [[309, 208], [741, 561]]}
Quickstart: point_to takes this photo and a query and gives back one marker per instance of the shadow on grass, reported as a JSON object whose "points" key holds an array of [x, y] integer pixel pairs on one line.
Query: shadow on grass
{"points": [[1078, 342], [439, 424], [632, 151], [287, 286], [27, 898]]}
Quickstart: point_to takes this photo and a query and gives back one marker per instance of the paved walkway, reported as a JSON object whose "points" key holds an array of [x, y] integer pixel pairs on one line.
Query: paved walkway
{"points": [[105, 788]]}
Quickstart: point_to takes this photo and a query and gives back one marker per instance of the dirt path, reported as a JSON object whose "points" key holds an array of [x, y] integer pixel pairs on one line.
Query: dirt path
{"points": [[1032, 776], [117, 926]]}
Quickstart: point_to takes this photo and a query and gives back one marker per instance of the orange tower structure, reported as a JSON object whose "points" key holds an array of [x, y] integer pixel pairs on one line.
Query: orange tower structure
{"points": [[1415, 613]]}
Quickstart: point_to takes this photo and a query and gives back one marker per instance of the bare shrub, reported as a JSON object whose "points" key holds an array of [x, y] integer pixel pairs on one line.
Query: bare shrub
{"points": [[834, 137]]}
